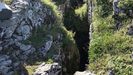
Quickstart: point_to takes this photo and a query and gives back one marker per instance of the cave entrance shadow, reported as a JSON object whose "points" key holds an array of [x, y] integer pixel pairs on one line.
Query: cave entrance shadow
{"points": [[80, 26], [82, 41]]}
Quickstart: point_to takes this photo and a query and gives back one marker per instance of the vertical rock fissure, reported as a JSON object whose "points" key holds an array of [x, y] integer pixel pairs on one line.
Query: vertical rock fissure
{"points": [[81, 28]]}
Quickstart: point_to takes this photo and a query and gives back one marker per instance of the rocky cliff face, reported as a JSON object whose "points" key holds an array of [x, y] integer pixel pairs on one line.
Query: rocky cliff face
{"points": [[18, 35], [27, 16]]}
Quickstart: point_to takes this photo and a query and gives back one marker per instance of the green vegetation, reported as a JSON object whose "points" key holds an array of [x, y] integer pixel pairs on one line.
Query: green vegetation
{"points": [[126, 4], [121, 64], [38, 37], [31, 69], [81, 11], [8, 1], [110, 48], [104, 7], [53, 8], [127, 7]]}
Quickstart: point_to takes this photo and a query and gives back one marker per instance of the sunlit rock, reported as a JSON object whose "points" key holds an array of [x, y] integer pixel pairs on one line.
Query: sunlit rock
{"points": [[83, 73], [5, 12], [48, 69]]}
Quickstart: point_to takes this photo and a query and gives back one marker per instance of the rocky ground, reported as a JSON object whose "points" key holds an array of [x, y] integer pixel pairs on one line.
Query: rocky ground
{"points": [[27, 15], [32, 32]]}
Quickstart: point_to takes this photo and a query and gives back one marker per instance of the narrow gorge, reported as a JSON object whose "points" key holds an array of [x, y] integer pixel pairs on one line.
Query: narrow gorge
{"points": [[79, 24], [66, 37]]}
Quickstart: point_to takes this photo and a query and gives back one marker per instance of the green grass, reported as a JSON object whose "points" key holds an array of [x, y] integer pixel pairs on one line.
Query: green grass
{"points": [[127, 4], [110, 48], [38, 37], [8, 1], [31, 69], [120, 63], [106, 39], [81, 11], [54, 8]]}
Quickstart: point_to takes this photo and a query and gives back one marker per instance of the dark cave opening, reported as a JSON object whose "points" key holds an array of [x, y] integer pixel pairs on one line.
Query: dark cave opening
{"points": [[82, 41], [81, 27]]}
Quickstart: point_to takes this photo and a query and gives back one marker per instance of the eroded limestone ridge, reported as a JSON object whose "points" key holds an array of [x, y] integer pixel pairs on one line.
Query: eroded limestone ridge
{"points": [[26, 16]]}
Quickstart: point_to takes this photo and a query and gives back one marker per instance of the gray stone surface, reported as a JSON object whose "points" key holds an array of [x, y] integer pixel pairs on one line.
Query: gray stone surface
{"points": [[26, 16], [5, 65], [115, 7], [24, 31], [5, 12], [48, 69], [83, 73]]}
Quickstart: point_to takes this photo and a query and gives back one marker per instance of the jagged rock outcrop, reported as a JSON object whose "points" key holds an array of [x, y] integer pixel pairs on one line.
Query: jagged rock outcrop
{"points": [[27, 15]]}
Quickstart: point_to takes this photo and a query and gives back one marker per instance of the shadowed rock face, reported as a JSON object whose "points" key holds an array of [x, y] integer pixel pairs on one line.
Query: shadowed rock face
{"points": [[5, 12]]}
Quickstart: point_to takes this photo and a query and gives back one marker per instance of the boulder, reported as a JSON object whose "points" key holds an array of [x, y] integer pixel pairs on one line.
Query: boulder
{"points": [[5, 12], [48, 69], [83, 73]]}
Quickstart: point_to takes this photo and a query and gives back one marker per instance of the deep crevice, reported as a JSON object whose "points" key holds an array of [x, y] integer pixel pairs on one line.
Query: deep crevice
{"points": [[80, 26], [82, 41]]}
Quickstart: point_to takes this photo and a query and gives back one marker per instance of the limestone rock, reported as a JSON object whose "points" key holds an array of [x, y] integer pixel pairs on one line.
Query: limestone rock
{"points": [[25, 15], [5, 65], [83, 73], [24, 31], [5, 12], [48, 69], [25, 49]]}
